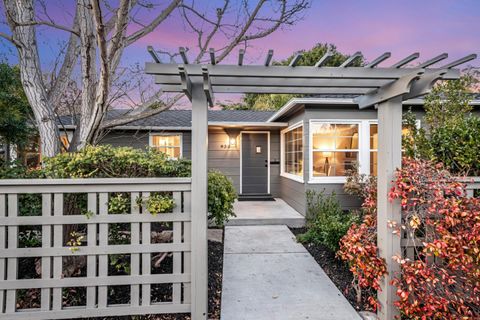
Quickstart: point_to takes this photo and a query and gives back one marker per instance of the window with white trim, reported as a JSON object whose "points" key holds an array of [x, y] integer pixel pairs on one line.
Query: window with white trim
{"points": [[292, 152], [335, 148], [170, 144]]}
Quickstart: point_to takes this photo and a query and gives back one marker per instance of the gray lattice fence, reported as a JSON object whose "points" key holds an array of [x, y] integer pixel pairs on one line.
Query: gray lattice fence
{"points": [[148, 288]]}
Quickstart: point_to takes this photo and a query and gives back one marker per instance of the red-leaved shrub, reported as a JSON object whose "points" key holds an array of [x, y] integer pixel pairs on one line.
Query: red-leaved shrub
{"points": [[441, 280], [359, 246]]}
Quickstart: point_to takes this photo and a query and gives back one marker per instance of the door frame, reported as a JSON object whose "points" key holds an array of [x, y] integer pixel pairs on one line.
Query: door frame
{"points": [[268, 158]]}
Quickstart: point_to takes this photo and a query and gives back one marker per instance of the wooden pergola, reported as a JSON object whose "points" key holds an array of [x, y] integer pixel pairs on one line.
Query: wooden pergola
{"points": [[379, 87]]}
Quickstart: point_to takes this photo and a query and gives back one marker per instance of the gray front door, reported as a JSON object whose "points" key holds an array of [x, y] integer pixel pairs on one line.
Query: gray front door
{"points": [[254, 163]]}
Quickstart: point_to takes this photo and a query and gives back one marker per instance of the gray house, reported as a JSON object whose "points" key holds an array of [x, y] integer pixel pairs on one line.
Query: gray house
{"points": [[307, 144]]}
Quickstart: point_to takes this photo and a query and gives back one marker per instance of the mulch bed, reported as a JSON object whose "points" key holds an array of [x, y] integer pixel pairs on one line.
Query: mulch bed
{"points": [[215, 272], [335, 269], [121, 294]]}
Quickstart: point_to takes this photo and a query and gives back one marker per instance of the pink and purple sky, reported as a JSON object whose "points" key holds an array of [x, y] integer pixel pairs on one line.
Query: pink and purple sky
{"points": [[429, 27]]}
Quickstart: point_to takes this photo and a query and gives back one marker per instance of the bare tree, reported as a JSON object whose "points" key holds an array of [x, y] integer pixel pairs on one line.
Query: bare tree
{"points": [[99, 34]]}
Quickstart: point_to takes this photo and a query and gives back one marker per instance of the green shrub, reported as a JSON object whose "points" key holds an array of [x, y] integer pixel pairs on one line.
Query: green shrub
{"points": [[326, 222], [221, 195], [157, 203], [109, 162], [450, 133], [457, 146], [114, 162]]}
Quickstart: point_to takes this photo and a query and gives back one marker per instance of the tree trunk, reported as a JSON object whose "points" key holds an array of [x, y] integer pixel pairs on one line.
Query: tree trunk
{"points": [[21, 14]]}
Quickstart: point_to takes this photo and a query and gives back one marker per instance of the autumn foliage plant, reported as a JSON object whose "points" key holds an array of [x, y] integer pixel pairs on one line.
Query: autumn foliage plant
{"points": [[440, 277], [359, 246], [442, 224]]}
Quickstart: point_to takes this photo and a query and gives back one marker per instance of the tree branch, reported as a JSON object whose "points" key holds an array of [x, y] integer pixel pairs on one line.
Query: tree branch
{"points": [[150, 27], [9, 38]]}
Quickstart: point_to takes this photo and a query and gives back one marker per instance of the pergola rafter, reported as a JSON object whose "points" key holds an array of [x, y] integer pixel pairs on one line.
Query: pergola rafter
{"points": [[383, 88]]}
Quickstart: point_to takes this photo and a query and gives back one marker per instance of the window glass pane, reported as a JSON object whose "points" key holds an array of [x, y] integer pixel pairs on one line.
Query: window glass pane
{"points": [[373, 163], [346, 136], [373, 136], [335, 148], [168, 144], [293, 152], [330, 164]]}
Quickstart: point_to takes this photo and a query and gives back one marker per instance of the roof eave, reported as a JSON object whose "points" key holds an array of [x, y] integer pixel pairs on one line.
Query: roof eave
{"points": [[296, 102]]}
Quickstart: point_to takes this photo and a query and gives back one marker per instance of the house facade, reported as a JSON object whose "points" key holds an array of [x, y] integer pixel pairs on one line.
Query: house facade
{"points": [[309, 144]]}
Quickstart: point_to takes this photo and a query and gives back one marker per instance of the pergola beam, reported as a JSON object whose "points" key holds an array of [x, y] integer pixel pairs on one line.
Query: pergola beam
{"points": [[286, 72], [287, 82], [460, 61], [186, 85], [207, 87], [268, 60], [389, 91], [153, 53], [379, 60], [212, 56], [406, 60], [324, 59], [295, 60], [424, 84], [351, 59], [434, 60], [183, 54], [241, 55], [278, 90]]}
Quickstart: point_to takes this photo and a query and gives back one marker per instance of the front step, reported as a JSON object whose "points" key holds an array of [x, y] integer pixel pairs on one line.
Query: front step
{"points": [[255, 197], [278, 212]]}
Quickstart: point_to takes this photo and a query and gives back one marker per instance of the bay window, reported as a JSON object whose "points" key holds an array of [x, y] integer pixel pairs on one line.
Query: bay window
{"points": [[170, 144], [292, 152], [334, 148]]}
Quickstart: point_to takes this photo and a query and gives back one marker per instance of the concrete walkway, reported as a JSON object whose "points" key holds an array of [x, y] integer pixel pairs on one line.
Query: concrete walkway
{"points": [[268, 275], [276, 212]]}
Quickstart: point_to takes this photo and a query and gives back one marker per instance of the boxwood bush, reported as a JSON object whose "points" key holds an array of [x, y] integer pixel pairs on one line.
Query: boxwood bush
{"points": [[326, 221]]}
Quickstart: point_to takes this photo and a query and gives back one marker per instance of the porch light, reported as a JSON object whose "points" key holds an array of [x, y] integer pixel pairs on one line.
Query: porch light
{"points": [[233, 142]]}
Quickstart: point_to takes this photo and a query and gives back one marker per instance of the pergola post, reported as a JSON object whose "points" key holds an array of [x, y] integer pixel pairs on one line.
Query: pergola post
{"points": [[389, 159], [199, 242]]}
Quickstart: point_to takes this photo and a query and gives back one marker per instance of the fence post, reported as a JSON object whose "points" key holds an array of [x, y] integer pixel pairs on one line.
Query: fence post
{"points": [[199, 243], [389, 159]]}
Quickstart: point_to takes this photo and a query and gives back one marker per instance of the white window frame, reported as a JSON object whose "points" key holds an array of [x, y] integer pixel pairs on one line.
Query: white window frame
{"points": [[156, 134], [282, 152], [363, 153]]}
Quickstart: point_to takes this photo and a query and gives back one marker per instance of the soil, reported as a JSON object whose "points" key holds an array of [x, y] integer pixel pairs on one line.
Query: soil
{"points": [[335, 269]]}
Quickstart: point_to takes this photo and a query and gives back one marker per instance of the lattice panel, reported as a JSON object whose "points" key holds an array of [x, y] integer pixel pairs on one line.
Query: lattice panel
{"points": [[90, 262]]}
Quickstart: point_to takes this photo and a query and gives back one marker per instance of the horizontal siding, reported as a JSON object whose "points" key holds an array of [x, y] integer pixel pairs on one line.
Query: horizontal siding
{"points": [[346, 201], [224, 160], [134, 139], [293, 193], [140, 140]]}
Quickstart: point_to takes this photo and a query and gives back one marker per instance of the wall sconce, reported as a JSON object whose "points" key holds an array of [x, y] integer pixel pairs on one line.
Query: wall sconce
{"points": [[231, 143]]}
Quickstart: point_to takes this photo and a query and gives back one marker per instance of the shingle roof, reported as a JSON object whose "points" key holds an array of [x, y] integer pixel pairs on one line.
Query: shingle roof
{"points": [[183, 118]]}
